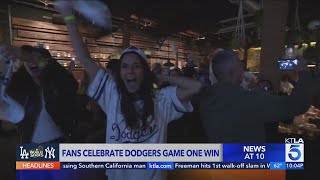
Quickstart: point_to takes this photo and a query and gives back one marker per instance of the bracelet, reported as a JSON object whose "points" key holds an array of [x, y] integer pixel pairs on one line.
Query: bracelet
{"points": [[69, 18], [42, 64]]}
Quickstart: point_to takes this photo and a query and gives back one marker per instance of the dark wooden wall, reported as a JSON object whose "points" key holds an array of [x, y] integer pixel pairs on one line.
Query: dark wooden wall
{"points": [[55, 38]]}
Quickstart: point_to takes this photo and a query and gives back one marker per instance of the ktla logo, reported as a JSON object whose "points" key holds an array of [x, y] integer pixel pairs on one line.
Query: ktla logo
{"points": [[294, 150]]}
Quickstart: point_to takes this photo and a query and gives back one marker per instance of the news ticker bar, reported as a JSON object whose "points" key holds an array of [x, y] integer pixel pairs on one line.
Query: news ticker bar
{"points": [[157, 165], [160, 152]]}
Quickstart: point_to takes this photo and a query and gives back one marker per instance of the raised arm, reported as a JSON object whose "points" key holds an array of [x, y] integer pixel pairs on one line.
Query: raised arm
{"points": [[10, 110], [81, 51], [186, 87]]}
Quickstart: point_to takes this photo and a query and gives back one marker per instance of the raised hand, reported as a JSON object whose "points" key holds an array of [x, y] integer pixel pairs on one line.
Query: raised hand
{"points": [[9, 53], [10, 110]]}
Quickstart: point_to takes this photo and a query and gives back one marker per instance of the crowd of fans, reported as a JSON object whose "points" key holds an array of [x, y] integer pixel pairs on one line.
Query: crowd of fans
{"points": [[50, 106]]}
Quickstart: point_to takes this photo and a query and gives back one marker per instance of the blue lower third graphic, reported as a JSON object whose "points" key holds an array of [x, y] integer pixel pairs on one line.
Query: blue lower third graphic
{"points": [[277, 165], [161, 165]]}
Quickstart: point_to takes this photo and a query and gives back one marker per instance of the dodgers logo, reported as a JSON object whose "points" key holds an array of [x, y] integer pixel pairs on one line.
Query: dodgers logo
{"points": [[23, 153]]}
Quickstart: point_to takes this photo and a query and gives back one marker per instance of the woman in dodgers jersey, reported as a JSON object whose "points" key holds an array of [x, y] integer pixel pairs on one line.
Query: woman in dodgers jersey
{"points": [[135, 113]]}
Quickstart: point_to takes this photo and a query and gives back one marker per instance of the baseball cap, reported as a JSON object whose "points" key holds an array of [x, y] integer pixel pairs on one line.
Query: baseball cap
{"points": [[133, 49]]}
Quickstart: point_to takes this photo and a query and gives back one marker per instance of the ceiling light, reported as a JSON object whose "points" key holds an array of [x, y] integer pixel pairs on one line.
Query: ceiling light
{"points": [[168, 64]]}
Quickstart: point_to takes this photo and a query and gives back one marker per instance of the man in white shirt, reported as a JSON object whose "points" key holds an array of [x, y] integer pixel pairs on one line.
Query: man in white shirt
{"points": [[285, 86]]}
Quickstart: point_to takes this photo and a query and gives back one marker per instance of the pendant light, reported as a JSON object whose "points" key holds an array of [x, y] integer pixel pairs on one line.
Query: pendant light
{"points": [[168, 63]]}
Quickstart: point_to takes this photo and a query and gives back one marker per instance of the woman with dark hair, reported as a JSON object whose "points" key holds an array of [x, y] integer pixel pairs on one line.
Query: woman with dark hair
{"points": [[128, 87], [41, 99], [48, 93], [135, 113]]}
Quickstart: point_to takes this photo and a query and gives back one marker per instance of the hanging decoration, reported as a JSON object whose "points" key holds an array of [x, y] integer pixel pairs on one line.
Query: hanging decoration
{"points": [[168, 64], [190, 60], [175, 52], [298, 26], [160, 40], [239, 40], [259, 20], [295, 34], [253, 35]]}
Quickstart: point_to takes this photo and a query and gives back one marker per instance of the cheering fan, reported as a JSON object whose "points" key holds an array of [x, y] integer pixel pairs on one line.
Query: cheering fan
{"points": [[10, 110]]}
